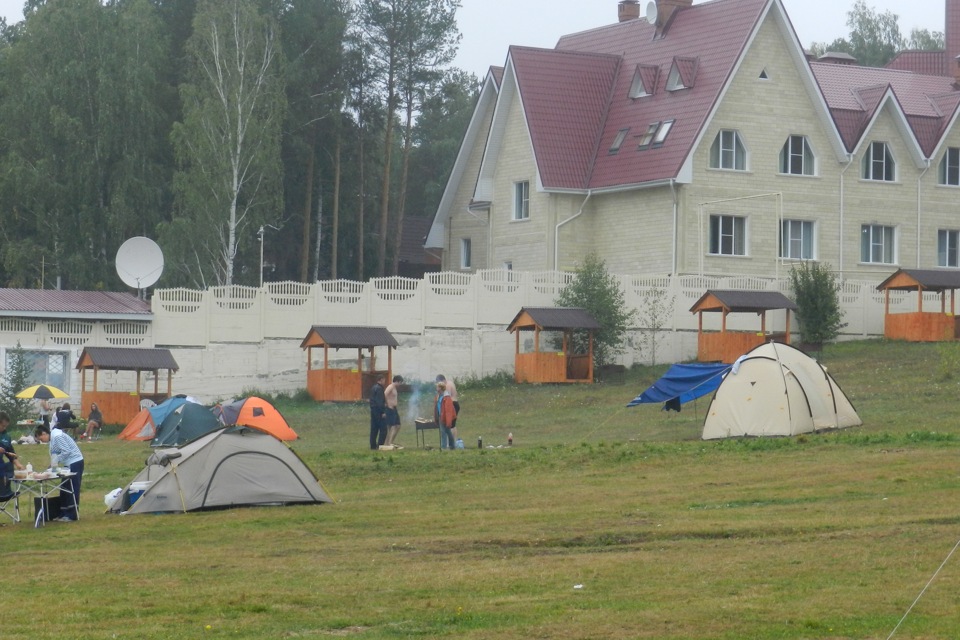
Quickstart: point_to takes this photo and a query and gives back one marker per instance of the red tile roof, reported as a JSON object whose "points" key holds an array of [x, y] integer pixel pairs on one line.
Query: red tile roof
{"points": [[576, 96], [929, 63], [51, 302], [692, 36], [852, 94]]}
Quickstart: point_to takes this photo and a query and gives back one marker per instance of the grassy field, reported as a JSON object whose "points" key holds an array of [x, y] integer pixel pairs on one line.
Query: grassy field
{"points": [[601, 522]]}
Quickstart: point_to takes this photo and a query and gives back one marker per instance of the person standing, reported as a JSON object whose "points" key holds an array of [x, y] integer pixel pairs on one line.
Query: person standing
{"points": [[392, 398], [446, 417], [378, 413], [65, 452], [46, 411], [454, 396]]}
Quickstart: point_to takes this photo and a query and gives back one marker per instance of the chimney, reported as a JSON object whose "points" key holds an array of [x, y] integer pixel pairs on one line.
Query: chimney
{"points": [[837, 57], [666, 9], [951, 37], [628, 10]]}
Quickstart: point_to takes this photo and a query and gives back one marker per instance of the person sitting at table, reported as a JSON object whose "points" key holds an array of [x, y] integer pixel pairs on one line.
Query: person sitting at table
{"points": [[65, 419], [8, 457], [64, 450], [94, 421]]}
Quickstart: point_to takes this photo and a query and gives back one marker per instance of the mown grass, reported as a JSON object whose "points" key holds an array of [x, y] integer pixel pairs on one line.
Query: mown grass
{"points": [[601, 522]]}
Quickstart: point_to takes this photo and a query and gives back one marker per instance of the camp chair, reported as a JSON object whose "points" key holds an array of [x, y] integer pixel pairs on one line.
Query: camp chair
{"points": [[9, 500]]}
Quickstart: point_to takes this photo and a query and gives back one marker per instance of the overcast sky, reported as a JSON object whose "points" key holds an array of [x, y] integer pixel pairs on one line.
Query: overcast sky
{"points": [[490, 26]]}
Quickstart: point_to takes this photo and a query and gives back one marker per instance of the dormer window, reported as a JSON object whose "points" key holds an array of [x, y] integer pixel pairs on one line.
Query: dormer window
{"points": [[728, 151], [878, 163], [949, 170], [644, 81], [682, 73], [796, 157]]}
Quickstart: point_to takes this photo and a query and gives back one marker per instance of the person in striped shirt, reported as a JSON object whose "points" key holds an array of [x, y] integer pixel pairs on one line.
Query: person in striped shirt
{"points": [[65, 452]]}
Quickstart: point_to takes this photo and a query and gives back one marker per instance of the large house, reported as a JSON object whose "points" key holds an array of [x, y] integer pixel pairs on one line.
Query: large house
{"points": [[702, 139]]}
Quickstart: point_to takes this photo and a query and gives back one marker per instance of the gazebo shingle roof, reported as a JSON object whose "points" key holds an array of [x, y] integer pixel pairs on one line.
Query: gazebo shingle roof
{"points": [[556, 318], [740, 301], [127, 359], [927, 279], [337, 337]]}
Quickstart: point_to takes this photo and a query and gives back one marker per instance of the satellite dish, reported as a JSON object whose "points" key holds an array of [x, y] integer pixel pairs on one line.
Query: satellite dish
{"points": [[139, 262], [652, 12]]}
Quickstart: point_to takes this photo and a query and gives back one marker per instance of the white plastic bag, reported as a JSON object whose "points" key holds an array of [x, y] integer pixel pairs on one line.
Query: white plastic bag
{"points": [[111, 497]]}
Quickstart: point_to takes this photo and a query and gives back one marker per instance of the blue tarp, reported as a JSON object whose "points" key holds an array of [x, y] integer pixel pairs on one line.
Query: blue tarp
{"points": [[683, 383]]}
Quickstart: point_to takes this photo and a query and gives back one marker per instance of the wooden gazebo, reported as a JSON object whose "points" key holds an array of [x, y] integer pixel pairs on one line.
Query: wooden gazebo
{"points": [[920, 325], [727, 346], [119, 406], [553, 366], [346, 385]]}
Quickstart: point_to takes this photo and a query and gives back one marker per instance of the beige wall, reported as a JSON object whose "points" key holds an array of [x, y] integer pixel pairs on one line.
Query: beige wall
{"points": [[464, 224], [765, 112]]}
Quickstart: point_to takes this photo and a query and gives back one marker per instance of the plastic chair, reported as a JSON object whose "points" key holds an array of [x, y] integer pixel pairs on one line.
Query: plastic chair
{"points": [[9, 500]]}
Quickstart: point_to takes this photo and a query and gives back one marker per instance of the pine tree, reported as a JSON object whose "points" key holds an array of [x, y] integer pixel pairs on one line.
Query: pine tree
{"points": [[15, 379]]}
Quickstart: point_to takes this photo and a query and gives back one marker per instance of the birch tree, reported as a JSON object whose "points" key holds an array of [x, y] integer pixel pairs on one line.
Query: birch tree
{"points": [[229, 175]]}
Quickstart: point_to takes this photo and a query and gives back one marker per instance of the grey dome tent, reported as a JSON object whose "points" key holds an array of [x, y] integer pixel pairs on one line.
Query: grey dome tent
{"points": [[229, 467]]}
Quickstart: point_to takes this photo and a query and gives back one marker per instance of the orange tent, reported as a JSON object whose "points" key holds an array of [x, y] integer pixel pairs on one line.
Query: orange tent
{"points": [[257, 413], [141, 427]]}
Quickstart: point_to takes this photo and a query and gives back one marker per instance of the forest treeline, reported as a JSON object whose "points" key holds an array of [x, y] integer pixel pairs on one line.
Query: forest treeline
{"points": [[320, 125]]}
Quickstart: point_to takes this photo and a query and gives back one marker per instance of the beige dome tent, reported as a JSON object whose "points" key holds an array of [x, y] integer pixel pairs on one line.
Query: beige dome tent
{"points": [[229, 467], [776, 390]]}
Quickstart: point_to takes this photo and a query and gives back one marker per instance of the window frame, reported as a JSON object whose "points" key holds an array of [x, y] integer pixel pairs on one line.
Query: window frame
{"points": [[870, 163], [806, 157], [521, 201], [719, 148], [948, 237], [736, 233], [806, 242], [868, 243], [946, 168], [466, 253]]}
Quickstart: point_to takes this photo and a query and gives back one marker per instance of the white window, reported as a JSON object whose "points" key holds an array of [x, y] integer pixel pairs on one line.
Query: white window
{"points": [[728, 151], [44, 367], [637, 88], [465, 257], [797, 240], [948, 241], [521, 200], [878, 244], [662, 132], [618, 140], [728, 235], [647, 137], [878, 163], [508, 265], [796, 157], [950, 168]]}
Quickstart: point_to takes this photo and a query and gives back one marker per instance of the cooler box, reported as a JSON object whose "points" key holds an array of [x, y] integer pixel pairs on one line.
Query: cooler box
{"points": [[136, 490]]}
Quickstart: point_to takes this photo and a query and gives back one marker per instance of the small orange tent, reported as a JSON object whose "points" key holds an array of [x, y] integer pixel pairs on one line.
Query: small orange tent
{"points": [[257, 413], [141, 427]]}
